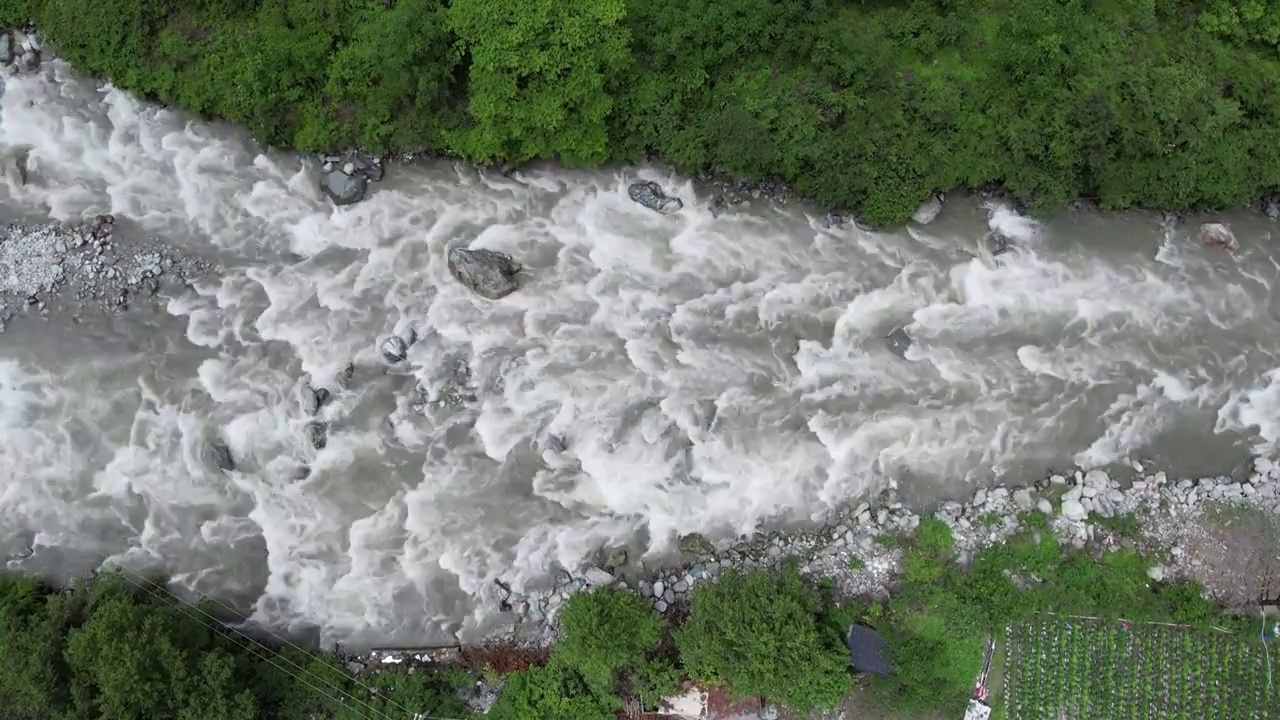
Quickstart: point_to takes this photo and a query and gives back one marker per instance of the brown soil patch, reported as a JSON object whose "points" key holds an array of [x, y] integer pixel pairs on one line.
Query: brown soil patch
{"points": [[1237, 557]]}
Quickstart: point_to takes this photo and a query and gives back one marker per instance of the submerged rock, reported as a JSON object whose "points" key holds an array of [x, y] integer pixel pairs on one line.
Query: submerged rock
{"points": [[395, 349], [696, 544], [487, 273], [899, 342], [317, 434], [6, 47], [928, 210], [313, 399], [221, 456], [1217, 235], [650, 195], [997, 244]]}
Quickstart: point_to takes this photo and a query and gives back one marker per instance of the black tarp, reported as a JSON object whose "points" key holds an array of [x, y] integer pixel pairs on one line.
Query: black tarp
{"points": [[866, 650]]}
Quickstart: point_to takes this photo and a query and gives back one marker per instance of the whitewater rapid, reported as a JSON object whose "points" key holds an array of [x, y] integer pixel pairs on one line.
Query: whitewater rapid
{"points": [[654, 375]]}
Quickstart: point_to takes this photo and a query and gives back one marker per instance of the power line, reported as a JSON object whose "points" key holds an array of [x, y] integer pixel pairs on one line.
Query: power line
{"points": [[148, 587], [213, 623], [263, 652]]}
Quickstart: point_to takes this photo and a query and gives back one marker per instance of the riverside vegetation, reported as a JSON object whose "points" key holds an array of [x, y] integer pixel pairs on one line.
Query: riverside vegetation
{"points": [[115, 648], [863, 104]]}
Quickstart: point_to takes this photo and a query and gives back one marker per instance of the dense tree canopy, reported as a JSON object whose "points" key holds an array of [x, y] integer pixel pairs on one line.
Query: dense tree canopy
{"points": [[869, 104], [121, 648]]}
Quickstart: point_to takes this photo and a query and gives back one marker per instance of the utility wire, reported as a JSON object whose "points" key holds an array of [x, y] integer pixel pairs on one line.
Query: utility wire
{"points": [[263, 652]]}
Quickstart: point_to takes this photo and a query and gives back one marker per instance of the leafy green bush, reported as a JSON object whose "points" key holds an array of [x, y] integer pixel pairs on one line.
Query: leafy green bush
{"points": [[605, 631], [758, 633], [553, 691]]}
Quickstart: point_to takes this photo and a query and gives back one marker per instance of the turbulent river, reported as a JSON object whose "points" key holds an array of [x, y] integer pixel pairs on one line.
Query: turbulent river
{"points": [[654, 375]]}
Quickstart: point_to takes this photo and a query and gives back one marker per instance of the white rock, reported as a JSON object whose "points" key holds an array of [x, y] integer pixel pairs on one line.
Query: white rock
{"points": [[928, 210], [1156, 572], [1000, 493], [1073, 510], [658, 588], [1073, 494], [1022, 498], [1045, 506], [1139, 485], [1137, 466], [349, 169], [1217, 235], [1096, 479], [1057, 480], [597, 577], [980, 497], [1088, 491], [660, 606]]}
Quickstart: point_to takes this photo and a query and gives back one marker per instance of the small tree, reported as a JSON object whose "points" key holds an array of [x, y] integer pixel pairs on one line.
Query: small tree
{"points": [[758, 634], [606, 631]]}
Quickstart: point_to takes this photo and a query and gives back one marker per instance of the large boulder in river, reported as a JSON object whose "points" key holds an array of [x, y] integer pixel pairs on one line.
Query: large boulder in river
{"points": [[1217, 235], [343, 189], [650, 195], [487, 273], [346, 180]]}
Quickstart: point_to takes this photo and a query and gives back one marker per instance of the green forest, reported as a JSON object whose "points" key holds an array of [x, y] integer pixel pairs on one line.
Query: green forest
{"points": [[867, 105]]}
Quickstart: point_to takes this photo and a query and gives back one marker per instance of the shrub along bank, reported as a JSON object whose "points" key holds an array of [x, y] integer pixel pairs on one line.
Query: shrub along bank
{"points": [[864, 104], [111, 648]]}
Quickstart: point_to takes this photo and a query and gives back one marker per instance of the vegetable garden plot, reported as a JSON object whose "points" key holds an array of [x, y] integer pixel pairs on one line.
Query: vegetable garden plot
{"points": [[1059, 668]]}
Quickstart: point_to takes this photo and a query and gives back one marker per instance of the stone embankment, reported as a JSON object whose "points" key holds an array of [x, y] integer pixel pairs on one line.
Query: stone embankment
{"points": [[1219, 531]]}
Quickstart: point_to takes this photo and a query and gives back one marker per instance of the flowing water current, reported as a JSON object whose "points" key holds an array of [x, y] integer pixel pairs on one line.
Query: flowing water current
{"points": [[654, 375]]}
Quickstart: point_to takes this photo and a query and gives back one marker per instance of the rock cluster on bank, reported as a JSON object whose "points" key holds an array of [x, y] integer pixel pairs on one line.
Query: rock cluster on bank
{"points": [[19, 50], [859, 549], [345, 179], [84, 266]]}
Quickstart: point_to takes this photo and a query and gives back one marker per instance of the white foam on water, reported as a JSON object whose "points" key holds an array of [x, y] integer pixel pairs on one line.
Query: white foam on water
{"points": [[655, 374]]}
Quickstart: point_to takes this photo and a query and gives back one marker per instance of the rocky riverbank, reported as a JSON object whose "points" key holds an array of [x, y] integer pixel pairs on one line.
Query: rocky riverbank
{"points": [[85, 268], [1221, 532]]}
